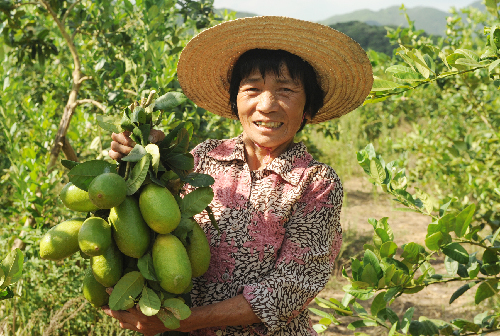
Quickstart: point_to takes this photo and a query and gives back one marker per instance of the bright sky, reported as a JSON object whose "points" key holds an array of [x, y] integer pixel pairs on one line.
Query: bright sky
{"points": [[316, 10]]}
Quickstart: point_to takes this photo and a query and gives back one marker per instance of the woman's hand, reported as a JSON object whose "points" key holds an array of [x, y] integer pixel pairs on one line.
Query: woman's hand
{"points": [[122, 144], [134, 319]]}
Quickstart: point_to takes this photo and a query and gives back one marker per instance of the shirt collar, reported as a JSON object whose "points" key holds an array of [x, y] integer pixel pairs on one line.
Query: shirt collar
{"points": [[290, 165]]}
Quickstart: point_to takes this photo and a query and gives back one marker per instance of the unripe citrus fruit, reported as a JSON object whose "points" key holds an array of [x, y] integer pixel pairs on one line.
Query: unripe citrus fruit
{"points": [[198, 251], [76, 199], [171, 264], [61, 241], [108, 268], [94, 236], [93, 291], [107, 190], [159, 209]]}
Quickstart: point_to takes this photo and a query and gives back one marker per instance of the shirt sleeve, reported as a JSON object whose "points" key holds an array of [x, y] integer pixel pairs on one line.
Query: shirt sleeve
{"points": [[313, 237]]}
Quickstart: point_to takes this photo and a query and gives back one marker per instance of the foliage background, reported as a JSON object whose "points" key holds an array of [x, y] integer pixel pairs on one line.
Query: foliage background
{"points": [[437, 131]]}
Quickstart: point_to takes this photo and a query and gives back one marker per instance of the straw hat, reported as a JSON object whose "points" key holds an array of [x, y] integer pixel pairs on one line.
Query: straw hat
{"points": [[342, 66]]}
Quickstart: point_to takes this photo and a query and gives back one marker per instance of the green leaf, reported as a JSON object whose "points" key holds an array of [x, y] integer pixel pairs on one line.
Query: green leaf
{"points": [[420, 63], [463, 220], [432, 242], [126, 290], [169, 100], [361, 324], [377, 171], [369, 275], [325, 315], [388, 314], [465, 325], [426, 200], [423, 328], [456, 252], [138, 174], [83, 174], [486, 290], [6, 294], [468, 53], [405, 323], [154, 151], [68, 164], [385, 85], [408, 77], [451, 266], [362, 294], [170, 136], [468, 62], [320, 328], [400, 69], [135, 154], [452, 58], [370, 258], [108, 123], [493, 65], [411, 252], [182, 230], [149, 304], [12, 267], [378, 303], [388, 249], [168, 319], [184, 161], [126, 123], [198, 180], [138, 115], [196, 201], [145, 265], [462, 290], [384, 237], [178, 308]]}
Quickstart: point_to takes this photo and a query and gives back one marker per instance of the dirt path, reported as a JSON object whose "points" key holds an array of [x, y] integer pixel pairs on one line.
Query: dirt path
{"points": [[362, 202]]}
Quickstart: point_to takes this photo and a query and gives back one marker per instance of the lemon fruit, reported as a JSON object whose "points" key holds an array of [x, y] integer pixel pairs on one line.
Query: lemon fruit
{"points": [[76, 199], [107, 190], [171, 264], [159, 209], [130, 231], [108, 267], [93, 291], [94, 236], [198, 251], [61, 241]]}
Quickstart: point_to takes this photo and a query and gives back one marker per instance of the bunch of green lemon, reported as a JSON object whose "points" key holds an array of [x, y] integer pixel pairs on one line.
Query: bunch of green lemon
{"points": [[136, 231]]}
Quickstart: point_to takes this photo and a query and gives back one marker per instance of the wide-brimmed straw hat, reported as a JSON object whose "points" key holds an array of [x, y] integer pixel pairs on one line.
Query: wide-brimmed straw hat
{"points": [[342, 66]]}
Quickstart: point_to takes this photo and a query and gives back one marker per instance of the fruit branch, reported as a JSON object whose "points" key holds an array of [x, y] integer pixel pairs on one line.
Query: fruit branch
{"points": [[60, 141]]}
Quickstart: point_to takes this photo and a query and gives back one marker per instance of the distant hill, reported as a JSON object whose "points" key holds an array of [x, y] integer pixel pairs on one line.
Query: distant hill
{"points": [[368, 36], [239, 15], [432, 20]]}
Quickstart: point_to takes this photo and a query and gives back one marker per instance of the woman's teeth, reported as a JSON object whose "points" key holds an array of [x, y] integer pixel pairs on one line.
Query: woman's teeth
{"points": [[271, 124]]}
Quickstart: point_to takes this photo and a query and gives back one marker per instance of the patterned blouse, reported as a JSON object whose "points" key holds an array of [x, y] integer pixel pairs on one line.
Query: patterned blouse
{"points": [[280, 234]]}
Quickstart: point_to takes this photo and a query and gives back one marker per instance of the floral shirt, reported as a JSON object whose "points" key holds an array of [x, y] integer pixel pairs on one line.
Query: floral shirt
{"points": [[280, 234]]}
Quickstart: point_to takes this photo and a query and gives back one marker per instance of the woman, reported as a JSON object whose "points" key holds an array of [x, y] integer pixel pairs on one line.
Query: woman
{"points": [[278, 209]]}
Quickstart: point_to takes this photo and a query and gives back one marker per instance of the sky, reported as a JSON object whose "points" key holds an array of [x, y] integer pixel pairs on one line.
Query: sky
{"points": [[317, 10]]}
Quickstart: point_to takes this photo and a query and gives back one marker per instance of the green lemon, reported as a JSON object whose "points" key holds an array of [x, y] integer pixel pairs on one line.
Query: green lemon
{"points": [[61, 241], [76, 199], [171, 264], [159, 209], [130, 231], [107, 190], [93, 291], [94, 236], [108, 267], [198, 251]]}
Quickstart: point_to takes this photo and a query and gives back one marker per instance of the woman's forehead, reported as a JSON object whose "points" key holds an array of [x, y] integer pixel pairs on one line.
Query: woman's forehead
{"points": [[282, 77]]}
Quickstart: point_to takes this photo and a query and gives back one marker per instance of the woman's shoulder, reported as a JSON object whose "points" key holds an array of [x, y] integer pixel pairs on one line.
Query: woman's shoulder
{"points": [[321, 171]]}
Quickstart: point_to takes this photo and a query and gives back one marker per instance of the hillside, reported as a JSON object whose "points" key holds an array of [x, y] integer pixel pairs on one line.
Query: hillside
{"points": [[432, 20]]}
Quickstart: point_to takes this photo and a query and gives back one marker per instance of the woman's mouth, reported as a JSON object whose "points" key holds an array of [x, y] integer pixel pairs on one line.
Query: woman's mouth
{"points": [[268, 124]]}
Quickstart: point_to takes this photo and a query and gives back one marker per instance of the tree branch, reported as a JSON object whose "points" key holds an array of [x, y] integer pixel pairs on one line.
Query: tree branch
{"points": [[84, 79], [90, 101], [69, 10]]}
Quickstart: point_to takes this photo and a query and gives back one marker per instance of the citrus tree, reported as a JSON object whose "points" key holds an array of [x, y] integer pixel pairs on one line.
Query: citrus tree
{"points": [[449, 92]]}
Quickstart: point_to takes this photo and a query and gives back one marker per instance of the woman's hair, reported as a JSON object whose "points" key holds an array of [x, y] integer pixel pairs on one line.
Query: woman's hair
{"points": [[272, 61]]}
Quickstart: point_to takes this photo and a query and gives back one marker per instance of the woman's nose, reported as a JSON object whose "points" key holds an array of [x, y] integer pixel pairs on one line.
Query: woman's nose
{"points": [[267, 102]]}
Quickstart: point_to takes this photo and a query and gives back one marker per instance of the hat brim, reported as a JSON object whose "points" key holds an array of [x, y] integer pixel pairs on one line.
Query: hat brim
{"points": [[342, 66]]}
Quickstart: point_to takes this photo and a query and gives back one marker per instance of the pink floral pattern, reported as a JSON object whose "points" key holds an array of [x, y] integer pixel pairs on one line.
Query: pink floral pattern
{"points": [[280, 233], [221, 261], [266, 230]]}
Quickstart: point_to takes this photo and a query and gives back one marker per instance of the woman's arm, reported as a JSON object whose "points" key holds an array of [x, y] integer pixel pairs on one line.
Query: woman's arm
{"points": [[231, 312]]}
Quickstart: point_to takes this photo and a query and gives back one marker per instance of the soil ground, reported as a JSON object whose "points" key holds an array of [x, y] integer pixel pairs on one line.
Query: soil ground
{"points": [[361, 202]]}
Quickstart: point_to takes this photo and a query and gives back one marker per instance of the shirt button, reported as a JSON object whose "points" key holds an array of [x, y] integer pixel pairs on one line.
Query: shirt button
{"points": [[225, 276]]}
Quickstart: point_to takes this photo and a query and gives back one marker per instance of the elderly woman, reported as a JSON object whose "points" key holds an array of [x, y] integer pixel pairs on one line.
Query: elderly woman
{"points": [[277, 208]]}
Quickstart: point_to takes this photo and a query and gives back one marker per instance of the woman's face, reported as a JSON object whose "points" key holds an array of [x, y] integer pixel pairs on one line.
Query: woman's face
{"points": [[271, 109]]}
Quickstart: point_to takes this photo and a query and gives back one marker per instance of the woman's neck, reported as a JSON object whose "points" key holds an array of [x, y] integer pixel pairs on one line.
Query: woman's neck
{"points": [[259, 156]]}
